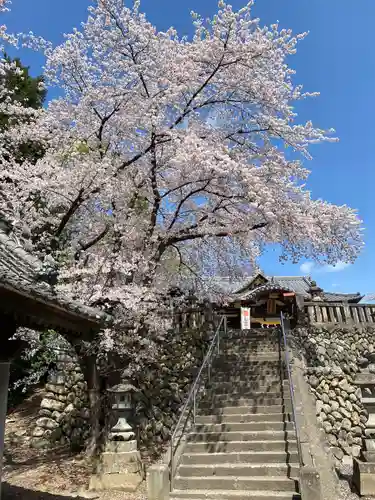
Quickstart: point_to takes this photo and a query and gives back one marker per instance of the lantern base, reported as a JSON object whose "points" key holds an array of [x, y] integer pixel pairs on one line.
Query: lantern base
{"points": [[119, 467], [122, 482]]}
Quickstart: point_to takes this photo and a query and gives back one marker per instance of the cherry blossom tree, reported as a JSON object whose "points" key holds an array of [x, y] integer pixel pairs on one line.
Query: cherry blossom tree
{"points": [[168, 160], [169, 150]]}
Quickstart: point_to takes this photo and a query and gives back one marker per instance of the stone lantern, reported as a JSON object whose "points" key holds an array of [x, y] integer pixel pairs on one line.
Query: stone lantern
{"points": [[120, 466], [122, 395], [316, 292]]}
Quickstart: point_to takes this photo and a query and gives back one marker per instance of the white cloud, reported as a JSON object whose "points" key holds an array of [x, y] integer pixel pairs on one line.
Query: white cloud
{"points": [[308, 267], [340, 266]]}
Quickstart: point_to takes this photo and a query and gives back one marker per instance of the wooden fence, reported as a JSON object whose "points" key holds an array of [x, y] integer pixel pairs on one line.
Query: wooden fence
{"points": [[338, 313], [191, 318]]}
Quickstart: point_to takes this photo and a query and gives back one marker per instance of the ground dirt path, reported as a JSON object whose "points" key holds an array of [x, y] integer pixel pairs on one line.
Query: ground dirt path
{"points": [[45, 475]]}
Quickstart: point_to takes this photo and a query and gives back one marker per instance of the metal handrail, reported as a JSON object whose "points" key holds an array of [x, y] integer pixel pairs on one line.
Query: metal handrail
{"points": [[285, 324], [191, 400]]}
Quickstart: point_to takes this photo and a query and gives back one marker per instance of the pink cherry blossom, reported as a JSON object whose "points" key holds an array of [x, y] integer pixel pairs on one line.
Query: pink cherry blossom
{"points": [[169, 160]]}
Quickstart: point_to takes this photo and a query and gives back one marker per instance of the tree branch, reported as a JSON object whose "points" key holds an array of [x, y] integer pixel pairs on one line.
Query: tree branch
{"points": [[184, 199], [219, 234], [86, 246], [155, 191], [72, 210]]}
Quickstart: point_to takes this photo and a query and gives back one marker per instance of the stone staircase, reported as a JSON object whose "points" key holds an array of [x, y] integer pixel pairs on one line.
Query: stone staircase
{"points": [[243, 445]]}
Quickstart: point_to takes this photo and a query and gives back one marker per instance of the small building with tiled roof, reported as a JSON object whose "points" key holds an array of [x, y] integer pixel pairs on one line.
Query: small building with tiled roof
{"points": [[268, 296], [28, 298]]}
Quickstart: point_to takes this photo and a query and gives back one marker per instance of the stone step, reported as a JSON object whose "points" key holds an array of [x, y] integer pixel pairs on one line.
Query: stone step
{"points": [[250, 357], [251, 338], [243, 417], [254, 446], [248, 435], [241, 385], [243, 347], [239, 470], [249, 391], [250, 379], [246, 348], [249, 372], [236, 483], [243, 350], [260, 333], [230, 400], [246, 409], [233, 495], [250, 354], [262, 457], [248, 366], [265, 377], [269, 398], [244, 427], [251, 341], [255, 359]]}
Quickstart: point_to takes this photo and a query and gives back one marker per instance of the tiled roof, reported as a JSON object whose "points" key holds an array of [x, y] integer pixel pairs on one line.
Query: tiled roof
{"points": [[268, 287], [23, 273], [226, 285], [342, 297], [297, 284]]}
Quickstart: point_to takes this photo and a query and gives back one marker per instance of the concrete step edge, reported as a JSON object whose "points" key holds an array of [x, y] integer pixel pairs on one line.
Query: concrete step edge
{"points": [[246, 465], [214, 494], [231, 408], [266, 479], [245, 433], [238, 415], [260, 454], [255, 441]]}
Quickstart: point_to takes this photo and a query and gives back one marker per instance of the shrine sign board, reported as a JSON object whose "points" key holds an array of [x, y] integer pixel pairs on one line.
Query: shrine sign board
{"points": [[245, 318]]}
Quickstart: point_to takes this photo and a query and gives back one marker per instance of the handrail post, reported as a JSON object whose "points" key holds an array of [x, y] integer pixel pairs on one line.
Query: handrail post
{"points": [[194, 406], [191, 400], [218, 342], [291, 387], [171, 475]]}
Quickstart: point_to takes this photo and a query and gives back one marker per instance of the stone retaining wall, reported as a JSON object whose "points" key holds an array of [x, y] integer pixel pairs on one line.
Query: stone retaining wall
{"points": [[63, 413], [334, 356], [162, 386]]}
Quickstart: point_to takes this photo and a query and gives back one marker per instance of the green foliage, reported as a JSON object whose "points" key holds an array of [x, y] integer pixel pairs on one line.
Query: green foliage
{"points": [[29, 92], [32, 367]]}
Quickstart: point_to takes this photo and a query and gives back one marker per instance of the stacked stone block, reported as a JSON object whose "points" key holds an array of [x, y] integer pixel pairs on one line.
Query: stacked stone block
{"points": [[334, 358], [63, 415]]}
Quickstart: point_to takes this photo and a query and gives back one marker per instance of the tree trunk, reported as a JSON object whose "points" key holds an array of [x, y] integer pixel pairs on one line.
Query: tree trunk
{"points": [[92, 376]]}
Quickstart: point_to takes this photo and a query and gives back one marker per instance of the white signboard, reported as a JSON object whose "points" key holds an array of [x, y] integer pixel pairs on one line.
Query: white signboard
{"points": [[245, 318]]}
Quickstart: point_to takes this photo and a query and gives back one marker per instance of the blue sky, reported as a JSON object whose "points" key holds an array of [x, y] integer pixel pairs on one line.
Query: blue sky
{"points": [[337, 59]]}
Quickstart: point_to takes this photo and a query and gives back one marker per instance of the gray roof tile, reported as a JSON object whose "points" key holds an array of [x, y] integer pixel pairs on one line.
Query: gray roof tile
{"points": [[22, 272], [342, 297], [297, 284]]}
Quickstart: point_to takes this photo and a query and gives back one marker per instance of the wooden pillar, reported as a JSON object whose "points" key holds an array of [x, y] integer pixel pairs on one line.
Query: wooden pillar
{"points": [[9, 350], [301, 317], [4, 380]]}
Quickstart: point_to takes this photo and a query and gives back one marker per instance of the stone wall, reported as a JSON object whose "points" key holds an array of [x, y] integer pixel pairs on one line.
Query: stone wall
{"points": [[163, 387], [63, 413], [334, 356]]}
